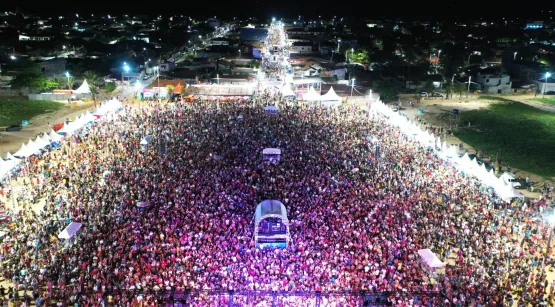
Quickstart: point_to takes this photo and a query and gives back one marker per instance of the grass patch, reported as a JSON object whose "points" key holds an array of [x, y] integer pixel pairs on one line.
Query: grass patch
{"points": [[550, 100], [524, 136], [15, 109], [495, 98]]}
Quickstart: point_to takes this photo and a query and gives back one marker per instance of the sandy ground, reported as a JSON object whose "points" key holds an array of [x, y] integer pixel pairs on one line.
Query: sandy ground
{"points": [[436, 112], [11, 141]]}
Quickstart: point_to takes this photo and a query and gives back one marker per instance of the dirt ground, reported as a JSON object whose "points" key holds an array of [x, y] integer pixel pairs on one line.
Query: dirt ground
{"points": [[11, 141]]}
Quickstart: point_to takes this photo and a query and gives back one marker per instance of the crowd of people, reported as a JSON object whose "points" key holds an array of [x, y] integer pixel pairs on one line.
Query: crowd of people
{"points": [[350, 230], [176, 214]]}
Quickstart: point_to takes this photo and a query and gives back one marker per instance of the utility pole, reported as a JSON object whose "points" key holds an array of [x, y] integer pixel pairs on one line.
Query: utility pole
{"points": [[468, 90]]}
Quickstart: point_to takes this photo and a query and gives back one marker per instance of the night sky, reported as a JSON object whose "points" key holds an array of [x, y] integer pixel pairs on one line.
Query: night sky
{"points": [[311, 8]]}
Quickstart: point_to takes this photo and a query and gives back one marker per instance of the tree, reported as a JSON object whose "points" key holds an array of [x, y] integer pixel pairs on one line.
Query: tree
{"points": [[184, 90], [448, 87], [33, 80], [389, 90], [110, 86], [429, 87], [359, 56], [93, 80], [458, 88], [170, 90], [70, 81]]}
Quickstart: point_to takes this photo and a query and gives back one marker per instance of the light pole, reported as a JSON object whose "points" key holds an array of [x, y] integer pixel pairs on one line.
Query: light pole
{"points": [[67, 75], [515, 55], [352, 86], [346, 53], [453, 78], [547, 75], [126, 69], [338, 42], [438, 55], [468, 90], [551, 222]]}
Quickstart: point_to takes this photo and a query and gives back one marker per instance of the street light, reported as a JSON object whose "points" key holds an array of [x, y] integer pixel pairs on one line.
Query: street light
{"points": [[67, 75], [338, 42], [346, 52], [547, 75], [515, 55], [352, 86], [126, 69], [12, 57]]}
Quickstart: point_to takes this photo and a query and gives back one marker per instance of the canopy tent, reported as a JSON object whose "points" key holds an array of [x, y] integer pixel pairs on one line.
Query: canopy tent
{"points": [[54, 137], [40, 142], [70, 231], [146, 140], [286, 91], [330, 96], [271, 110], [430, 260], [271, 154], [83, 89], [312, 95], [9, 156], [6, 166], [25, 151], [271, 226]]}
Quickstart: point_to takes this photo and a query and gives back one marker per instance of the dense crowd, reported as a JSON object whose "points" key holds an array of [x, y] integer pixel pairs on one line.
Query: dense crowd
{"points": [[351, 230]]}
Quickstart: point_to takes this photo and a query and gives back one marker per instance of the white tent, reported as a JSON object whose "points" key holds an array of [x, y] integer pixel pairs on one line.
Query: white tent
{"points": [[41, 143], [286, 91], [146, 140], [428, 258], [9, 156], [24, 152], [330, 96], [312, 95], [67, 128], [83, 89], [70, 231], [54, 136]]}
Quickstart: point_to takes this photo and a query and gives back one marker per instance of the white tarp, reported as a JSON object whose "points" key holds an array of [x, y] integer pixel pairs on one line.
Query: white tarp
{"points": [[83, 89], [146, 140], [271, 110], [70, 231], [430, 259], [271, 154]]}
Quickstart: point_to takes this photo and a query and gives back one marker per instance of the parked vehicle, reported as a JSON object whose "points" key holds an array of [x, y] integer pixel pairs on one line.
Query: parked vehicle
{"points": [[14, 128], [436, 94]]}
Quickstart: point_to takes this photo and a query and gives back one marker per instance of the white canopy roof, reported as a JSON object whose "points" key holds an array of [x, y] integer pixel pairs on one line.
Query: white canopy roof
{"points": [[54, 136], [270, 207], [287, 91], [271, 151], [430, 258], [330, 96], [312, 95], [70, 231], [84, 88], [146, 140], [40, 142], [24, 152]]}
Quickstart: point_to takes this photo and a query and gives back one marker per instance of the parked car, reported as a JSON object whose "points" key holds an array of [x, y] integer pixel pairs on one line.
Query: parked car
{"points": [[438, 95], [423, 94], [550, 93], [14, 128]]}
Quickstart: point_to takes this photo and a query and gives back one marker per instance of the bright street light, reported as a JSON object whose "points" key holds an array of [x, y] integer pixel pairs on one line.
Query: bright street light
{"points": [[352, 86], [12, 57], [515, 55], [547, 75]]}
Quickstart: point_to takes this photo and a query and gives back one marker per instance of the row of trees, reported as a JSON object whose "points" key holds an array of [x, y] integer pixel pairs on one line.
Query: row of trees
{"points": [[30, 76]]}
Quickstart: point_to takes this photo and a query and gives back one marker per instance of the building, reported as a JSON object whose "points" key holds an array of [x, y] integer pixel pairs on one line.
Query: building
{"points": [[533, 25], [545, 84], [301, 47], [213, 22], [169, 66], [160, 88], [494, 83], [53, 68], [35, 37], [302, 85]]}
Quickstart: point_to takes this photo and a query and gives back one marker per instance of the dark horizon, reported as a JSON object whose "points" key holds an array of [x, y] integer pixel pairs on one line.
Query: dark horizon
{"points": [[432, 10]]}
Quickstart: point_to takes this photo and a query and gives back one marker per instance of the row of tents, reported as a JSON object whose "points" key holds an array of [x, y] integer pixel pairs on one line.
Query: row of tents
{"points": [[450, 153], [53, 138]]}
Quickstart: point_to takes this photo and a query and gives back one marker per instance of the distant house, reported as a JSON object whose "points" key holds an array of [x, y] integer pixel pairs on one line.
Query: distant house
{"points": [[494, 83], [35, 37], [301, 47], [53, 68]]}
